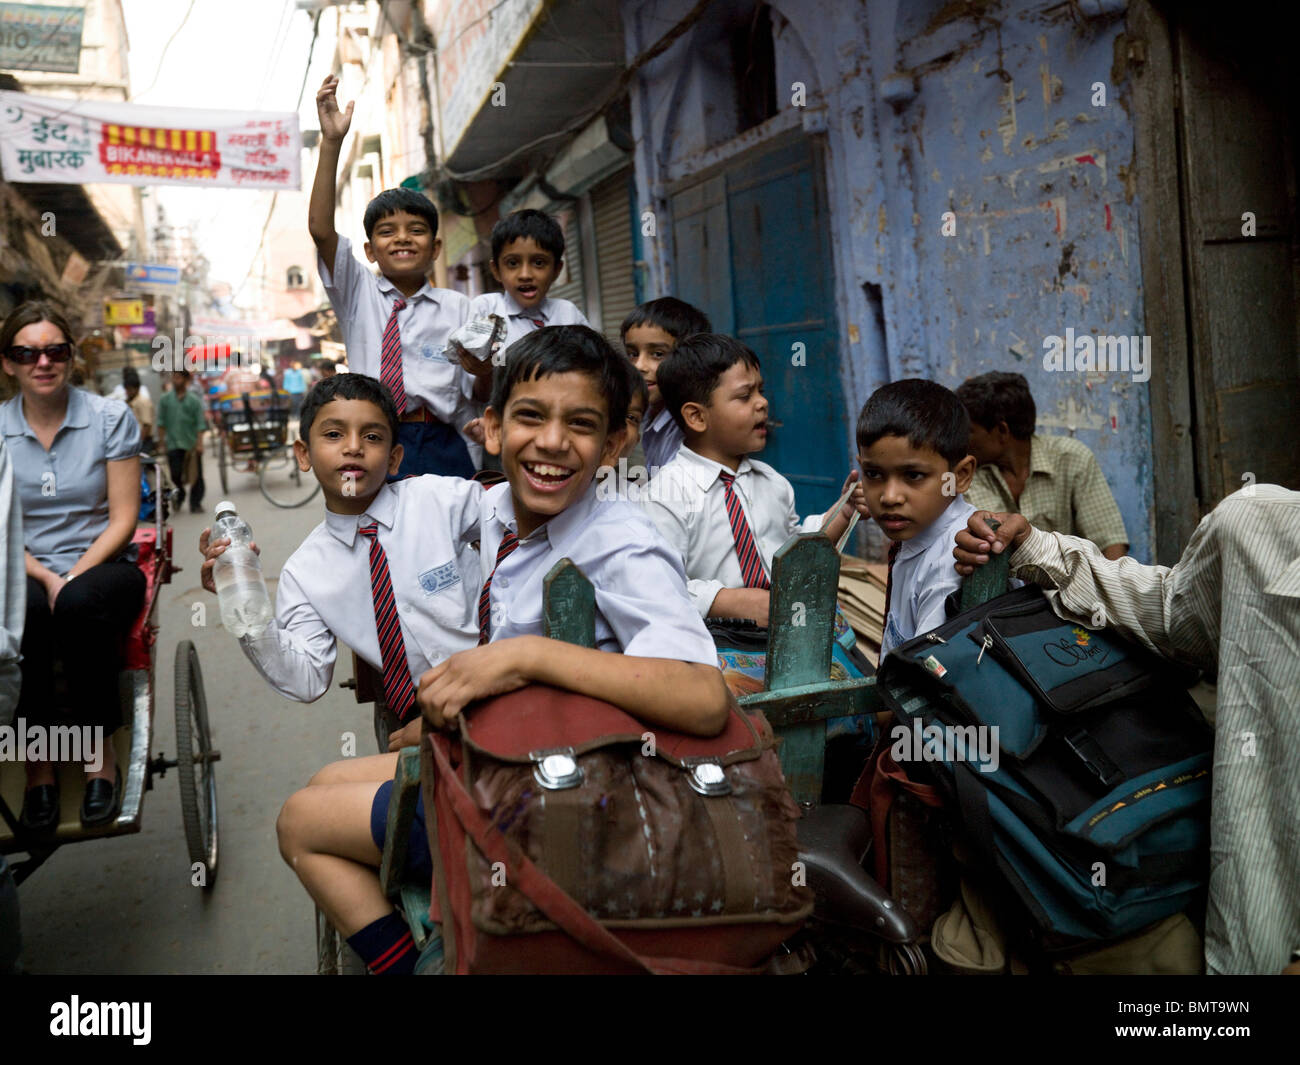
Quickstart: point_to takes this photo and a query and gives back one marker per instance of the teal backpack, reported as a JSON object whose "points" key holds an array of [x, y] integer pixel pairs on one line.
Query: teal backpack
{"points": [[1075, 766]]}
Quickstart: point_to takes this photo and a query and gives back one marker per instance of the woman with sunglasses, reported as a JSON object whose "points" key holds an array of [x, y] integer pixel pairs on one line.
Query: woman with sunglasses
{"points": [[76, 465]]}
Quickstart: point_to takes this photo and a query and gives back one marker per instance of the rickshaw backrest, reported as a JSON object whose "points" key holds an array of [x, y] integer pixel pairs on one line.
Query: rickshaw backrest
{"points": [[140, 639]]}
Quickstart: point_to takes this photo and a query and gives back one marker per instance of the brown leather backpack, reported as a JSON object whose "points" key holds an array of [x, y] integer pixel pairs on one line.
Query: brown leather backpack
{"points": [[569, 837]]}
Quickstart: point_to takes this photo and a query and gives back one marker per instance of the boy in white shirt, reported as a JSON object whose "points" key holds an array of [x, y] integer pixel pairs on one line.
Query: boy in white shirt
{"points": [[395, 326], [913, 443], [557, 413], [650, 332], [527, 257], [724, 512]]}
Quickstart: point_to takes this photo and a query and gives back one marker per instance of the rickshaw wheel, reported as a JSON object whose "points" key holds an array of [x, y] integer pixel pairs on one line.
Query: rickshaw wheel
{"points": [[333, 955], [221, 460], [197, 779]]}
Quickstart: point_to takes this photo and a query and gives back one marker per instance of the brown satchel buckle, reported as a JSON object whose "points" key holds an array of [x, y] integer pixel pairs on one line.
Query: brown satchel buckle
{"points": [[556, 769]]}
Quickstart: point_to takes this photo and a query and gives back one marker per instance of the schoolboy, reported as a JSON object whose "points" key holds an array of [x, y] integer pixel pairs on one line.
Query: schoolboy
{"points": [[180, 428], [724, 512], [395, 326], [374, 554], [556, 415], [913, 443], [1055, 481], [650, 332], [527, 257]]}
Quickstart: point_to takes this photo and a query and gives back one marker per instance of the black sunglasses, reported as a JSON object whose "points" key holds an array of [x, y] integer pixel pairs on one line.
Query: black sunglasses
{"points": [[29, 356]]}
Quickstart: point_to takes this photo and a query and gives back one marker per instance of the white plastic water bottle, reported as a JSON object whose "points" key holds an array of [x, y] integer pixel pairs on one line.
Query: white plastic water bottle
{"points": [[237, 573]]}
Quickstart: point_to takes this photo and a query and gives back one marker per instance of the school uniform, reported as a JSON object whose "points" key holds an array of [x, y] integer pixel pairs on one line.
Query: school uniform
{"points": [[642, 606], [520, 321], [922, 576], [426, 526], [686, 500], [437, 388], [661, 439]]}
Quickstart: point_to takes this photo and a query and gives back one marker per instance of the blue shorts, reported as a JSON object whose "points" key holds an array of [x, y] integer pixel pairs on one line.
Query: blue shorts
{"points": [[419, 863], [432, 447]]}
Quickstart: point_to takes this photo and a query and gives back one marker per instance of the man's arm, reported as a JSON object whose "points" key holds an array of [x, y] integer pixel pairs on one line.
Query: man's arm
{"points": [[13, 585], [686, 696], [334, 126], [1164, 609]]}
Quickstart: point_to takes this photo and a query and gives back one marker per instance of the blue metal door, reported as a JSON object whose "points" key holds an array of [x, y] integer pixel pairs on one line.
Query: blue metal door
{"points": [[751, 248]]}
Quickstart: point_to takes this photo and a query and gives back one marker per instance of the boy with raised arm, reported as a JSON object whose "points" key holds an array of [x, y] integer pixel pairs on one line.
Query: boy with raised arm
{"points": [[395, 326]]}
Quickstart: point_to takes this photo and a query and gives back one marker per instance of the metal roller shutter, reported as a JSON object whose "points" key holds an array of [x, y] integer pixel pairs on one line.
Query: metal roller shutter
{"points": [[571, 289], [612, 211]]}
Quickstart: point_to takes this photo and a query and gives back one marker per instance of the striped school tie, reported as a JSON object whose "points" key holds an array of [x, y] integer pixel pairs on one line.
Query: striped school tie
{"points": [[399, 692], [508, 543], [390, 360], [751, 563]]}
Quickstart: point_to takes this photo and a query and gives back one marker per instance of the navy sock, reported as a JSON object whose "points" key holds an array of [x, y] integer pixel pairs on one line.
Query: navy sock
{"points": [[386, 946]]}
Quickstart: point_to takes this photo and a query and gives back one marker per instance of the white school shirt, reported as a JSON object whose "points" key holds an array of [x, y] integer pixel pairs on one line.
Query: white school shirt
{"points": [[642, 608], [687, 501], [661, 439], [363, 302], [924, 576], [426, 528], [520, 322]]}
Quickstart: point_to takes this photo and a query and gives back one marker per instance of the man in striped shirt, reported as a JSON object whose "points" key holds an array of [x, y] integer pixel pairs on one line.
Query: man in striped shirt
{"points": [[1230, 606]]}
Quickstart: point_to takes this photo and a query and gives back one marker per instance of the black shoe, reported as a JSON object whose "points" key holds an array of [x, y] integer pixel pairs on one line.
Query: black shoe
{"points": [[196, 508], [40, 808], [100, 804]]}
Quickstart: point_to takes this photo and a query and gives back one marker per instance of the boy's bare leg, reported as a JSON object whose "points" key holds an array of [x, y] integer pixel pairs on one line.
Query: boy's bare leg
{"points": [[324, 833], [374, 767]]}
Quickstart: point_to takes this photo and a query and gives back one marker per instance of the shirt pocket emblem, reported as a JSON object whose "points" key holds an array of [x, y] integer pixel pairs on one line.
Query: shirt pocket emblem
{"points": [[434, 354], [438, 579]]}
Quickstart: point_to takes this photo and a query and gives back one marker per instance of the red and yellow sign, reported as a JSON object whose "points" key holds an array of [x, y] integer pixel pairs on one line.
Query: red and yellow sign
{"points": [[124, 312], [152, 152]]}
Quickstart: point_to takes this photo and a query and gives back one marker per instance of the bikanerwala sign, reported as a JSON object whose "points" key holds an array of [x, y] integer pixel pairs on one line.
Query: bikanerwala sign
{"points": [[46, 139]]}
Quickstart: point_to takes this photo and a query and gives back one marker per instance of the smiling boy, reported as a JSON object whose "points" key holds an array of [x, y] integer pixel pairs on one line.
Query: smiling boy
{"points": [[527, 257], [557, 414], [913, 443], [395, 326]]}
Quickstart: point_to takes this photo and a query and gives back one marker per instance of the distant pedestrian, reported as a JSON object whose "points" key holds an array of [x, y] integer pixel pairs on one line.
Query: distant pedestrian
{"points": [[295, 383], [181, 423]]}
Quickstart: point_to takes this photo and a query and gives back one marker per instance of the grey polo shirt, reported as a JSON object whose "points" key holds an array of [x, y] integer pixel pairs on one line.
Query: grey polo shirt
{"points": [[64, 491]]}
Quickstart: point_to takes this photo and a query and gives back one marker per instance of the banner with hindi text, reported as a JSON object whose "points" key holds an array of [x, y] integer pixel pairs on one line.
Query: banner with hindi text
{"points": [[45, 139]]}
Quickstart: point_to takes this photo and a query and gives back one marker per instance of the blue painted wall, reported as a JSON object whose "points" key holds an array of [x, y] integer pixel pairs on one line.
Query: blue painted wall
{"points": [[1040, 182]]}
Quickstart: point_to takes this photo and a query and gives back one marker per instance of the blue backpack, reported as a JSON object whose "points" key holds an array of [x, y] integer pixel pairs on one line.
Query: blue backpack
{"points": [[1075, 766]]}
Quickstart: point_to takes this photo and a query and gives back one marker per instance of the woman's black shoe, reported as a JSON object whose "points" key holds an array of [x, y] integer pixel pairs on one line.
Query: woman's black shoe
{"points": [[40, 808], [100, 804]]}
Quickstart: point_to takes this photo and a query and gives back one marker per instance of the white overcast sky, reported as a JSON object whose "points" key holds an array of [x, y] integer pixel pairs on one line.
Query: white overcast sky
{"points": [[231, 54]]}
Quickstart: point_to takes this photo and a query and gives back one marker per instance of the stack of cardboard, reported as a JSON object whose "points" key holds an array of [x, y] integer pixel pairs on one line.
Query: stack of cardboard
{"points": [[862, 599]]}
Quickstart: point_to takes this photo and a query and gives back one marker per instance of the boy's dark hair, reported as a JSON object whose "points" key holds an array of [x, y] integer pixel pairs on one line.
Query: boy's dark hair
{"points": [[1000, 397], [675, 317], [130, 379], [924, 412], [390, 201], [528, 224], [347, 386], [565, 349], [693, 368]]}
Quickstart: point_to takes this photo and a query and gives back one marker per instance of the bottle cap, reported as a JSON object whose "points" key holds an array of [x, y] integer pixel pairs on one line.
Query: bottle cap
{"points": [[225, 507]]}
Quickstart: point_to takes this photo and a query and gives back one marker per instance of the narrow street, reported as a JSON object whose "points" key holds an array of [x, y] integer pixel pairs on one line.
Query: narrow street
{"points": [[125, 905]]}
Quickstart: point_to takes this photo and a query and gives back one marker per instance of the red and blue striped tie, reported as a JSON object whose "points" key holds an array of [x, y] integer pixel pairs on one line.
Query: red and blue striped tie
{"points": [[399, 692], [508, 543], [390, 360], [751, 562]]}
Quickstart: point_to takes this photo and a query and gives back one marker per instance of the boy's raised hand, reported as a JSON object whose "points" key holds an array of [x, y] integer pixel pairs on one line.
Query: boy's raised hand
{"points": [[211, 549], [334, 124]]}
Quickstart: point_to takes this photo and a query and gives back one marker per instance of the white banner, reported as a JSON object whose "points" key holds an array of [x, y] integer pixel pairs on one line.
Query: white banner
{"points": [[90, 141]]}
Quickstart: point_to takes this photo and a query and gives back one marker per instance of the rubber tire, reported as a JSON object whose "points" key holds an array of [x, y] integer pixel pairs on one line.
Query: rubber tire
{"points": [[192, 725], [297, 476]]}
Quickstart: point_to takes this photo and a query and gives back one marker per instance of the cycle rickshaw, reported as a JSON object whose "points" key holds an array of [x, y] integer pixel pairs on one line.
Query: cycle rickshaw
{"points": [[195, 758], [252, 430]]}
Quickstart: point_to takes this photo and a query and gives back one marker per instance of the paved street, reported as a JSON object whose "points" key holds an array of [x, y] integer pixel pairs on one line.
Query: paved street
{"points": [[125, 905]]}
